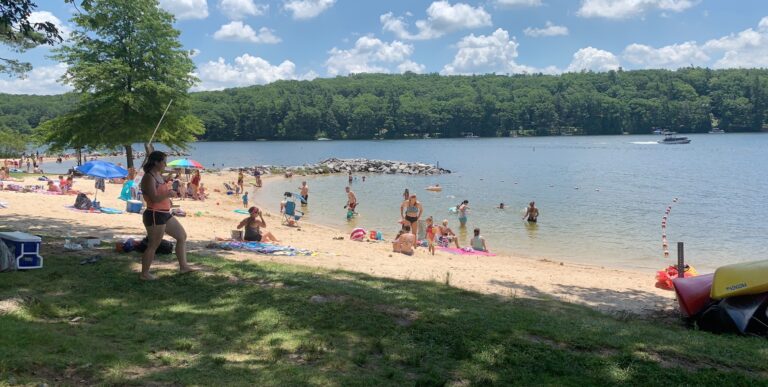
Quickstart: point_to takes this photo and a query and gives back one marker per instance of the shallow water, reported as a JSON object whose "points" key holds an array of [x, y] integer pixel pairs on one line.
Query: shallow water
{"points": [[601, 198]]}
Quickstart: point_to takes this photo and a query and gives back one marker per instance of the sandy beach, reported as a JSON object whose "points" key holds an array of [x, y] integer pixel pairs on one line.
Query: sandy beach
{"points": [[606, 289]]}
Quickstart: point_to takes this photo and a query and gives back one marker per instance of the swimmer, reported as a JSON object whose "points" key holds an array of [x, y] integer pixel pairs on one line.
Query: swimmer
{"points": [[531, 213], [501, 206]]}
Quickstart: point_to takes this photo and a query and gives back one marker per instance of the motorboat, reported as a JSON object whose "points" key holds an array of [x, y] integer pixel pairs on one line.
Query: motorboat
{"points": [[470, 135], [716, 131], [673, 139], [660, 131]]}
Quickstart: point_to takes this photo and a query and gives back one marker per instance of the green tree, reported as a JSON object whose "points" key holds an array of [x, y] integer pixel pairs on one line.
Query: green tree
{"points": [[126, 61], [19, 34]]}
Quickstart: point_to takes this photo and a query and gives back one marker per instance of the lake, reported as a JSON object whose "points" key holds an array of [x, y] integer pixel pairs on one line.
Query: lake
{"points": [[601, 198]]}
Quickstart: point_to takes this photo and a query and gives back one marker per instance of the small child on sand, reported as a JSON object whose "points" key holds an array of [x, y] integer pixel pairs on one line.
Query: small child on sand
{"points": [[245, 199], [432, 230]]}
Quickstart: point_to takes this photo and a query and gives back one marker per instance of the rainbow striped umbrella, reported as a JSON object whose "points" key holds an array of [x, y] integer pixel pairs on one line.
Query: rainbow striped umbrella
{"points": [[185, 163]]}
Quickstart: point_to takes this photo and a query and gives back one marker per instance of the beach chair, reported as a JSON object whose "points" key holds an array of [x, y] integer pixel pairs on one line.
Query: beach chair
{"points": [[290, 213]]}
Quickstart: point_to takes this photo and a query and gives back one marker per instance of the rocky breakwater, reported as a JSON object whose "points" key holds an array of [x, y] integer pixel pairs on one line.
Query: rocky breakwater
{"points": [[334, 165]]}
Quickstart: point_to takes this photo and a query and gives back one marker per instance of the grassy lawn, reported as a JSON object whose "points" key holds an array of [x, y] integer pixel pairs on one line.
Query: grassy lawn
{"points": [[278, 325]]}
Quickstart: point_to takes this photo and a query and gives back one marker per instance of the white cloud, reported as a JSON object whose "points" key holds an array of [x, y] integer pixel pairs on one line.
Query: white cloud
{"points": [[494, 53], [186, 9], [247, 70], [442, 18], [45, 16], [41, 80], [672, 56], [237, 31], [621, 9], [524, 3], [240, 9], [411, 66], [746, 49], [371, 55], [549, 30], [307, 9], [593, 59]]}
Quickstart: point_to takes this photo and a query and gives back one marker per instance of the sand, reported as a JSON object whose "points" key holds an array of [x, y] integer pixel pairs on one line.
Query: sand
{"points": [[607, 289]]}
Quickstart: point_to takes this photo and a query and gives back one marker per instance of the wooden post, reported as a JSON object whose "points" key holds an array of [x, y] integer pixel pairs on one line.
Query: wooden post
{"points": [[680, 260]]}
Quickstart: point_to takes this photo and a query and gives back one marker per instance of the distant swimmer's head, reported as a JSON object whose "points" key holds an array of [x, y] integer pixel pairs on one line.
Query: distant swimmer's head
{"points": [[465, 202]]}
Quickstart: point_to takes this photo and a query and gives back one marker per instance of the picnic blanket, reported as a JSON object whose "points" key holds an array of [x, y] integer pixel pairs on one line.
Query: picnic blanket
{"points": [[261, 248], [465, 251], [102, 210]]}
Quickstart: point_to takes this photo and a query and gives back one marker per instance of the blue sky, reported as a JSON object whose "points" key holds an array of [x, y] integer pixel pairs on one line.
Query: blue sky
{"points": [[245, 42]]}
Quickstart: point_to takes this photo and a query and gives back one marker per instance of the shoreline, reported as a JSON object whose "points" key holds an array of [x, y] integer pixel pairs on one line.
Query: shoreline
{"points": [[606, 289]]}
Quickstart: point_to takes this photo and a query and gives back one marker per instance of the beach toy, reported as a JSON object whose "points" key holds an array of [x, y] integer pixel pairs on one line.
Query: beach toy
{"points": [[379, 236], [372, 234], [357, 234], [133, 206], [198, 213], [237, 235], [452, 210]]}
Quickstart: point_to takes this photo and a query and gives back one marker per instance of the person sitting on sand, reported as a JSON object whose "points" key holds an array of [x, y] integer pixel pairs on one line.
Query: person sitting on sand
{"points": [[405, 241], [478, 242], [447, 235], [3, 174], [254, 225], [53, 187], [201, 195], [532, 213]]}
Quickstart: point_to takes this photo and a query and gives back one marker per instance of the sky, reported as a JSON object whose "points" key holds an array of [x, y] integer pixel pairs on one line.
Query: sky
{"points": [[236, 43]]}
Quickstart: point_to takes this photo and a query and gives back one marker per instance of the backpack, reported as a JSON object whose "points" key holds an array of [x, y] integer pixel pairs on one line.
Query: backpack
{"points": [[166, 247], [82, 202], [7, 260]]}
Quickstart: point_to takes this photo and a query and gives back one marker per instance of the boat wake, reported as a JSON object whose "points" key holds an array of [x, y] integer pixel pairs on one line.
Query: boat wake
{"points": [[645, 142]]}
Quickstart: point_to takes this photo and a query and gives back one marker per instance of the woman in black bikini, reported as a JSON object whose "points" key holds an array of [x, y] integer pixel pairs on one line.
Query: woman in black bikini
{"points": [[253, 227]]}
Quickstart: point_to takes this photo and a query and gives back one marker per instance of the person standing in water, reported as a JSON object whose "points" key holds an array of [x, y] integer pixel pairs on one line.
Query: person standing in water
{"points": [[304, 191], [462, 210], [351, 202], [531, 213]]}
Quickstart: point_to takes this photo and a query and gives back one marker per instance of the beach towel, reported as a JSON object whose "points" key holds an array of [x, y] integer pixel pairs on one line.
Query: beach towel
{"points": [[73, 208], [111, 211], [465, 251], [262, 248], [241, 211]]}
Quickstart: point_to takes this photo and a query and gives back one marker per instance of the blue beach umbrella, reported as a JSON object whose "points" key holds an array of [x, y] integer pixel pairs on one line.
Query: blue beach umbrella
{"points": [[102, 169]]}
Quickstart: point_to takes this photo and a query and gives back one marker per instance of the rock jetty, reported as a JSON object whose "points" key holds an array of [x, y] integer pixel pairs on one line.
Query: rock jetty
{"points": [[334, 165]]}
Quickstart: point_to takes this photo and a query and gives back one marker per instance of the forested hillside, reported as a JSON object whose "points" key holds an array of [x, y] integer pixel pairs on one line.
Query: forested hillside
{"points": [[395, 106]]}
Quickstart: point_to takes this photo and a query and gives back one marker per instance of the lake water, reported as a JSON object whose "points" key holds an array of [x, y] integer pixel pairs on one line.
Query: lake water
{"points": [[601, 198]]}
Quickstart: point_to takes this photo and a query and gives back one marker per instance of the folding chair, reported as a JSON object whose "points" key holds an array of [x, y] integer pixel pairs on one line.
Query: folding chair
{"points": [[290, 213]]}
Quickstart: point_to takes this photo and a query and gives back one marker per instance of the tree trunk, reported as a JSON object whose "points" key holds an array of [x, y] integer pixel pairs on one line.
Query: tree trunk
{"points": [[128, 156]]}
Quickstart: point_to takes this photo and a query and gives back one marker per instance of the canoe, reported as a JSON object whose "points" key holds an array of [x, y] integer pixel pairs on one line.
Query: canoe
{"points": [[740, 279]]}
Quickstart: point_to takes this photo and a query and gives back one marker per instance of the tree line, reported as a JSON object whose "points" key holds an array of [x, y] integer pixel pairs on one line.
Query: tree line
{"points": [[365, 106]]}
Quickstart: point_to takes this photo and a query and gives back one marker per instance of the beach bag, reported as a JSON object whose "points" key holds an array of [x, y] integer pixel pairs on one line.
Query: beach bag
{"points": [[7, 261], [166, 247], [82, 202]]}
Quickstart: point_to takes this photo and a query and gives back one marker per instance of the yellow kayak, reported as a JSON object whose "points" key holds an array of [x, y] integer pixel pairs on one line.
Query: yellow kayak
{"points": [[740, 279]]}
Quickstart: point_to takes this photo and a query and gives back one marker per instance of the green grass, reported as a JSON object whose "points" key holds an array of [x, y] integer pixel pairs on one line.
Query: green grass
{"points": [[280, 325]]}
